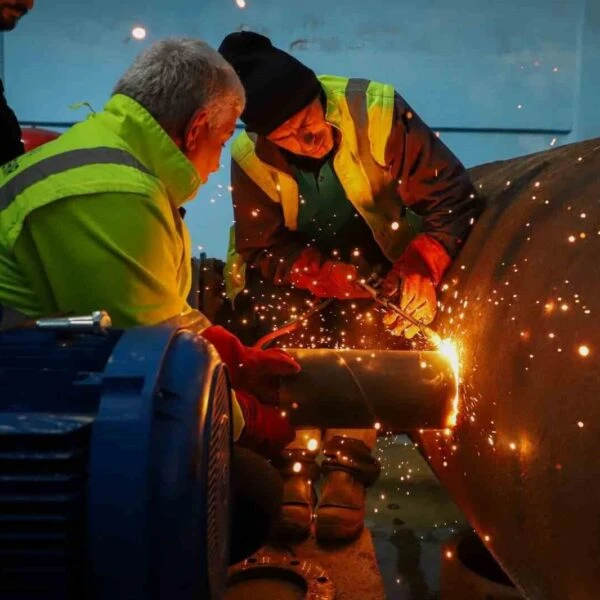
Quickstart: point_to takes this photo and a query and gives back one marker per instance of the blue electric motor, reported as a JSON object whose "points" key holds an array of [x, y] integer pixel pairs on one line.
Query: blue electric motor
{"points": [[114, 465]]}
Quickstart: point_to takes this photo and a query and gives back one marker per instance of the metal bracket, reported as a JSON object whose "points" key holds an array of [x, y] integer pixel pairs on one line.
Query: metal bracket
{"points": [[99, 322]]}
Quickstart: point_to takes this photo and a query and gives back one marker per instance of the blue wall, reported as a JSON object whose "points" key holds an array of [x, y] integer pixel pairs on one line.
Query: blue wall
{"points": [[497, 78]]}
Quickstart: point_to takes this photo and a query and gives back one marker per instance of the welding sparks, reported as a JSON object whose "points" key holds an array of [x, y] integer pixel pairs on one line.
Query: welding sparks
{"points": [[583, 350], [448, 348]]}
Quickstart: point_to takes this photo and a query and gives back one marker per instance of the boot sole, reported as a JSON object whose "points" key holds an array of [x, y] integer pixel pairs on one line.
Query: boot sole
{"points": [[336, 531], [292, 528]]}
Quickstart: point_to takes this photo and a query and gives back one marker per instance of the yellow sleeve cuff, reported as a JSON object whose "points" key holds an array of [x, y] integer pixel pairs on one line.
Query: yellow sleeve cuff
{"points": [[238, 418]]}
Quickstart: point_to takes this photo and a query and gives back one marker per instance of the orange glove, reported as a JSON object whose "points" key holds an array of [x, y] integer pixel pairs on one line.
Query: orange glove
{"points": [[251, 369], [266, 431], [331, 279], [411, 284]]}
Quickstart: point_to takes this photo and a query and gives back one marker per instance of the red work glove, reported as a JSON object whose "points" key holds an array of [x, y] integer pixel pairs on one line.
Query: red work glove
{"points": [[266, 431], [251, 369], [411, 284], [331, 279]]}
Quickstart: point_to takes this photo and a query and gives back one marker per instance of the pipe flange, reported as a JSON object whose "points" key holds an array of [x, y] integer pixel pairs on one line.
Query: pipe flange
{"points": [[307, 574]]}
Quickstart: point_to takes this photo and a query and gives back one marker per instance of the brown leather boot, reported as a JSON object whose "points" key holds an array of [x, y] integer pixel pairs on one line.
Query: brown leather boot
{"points": [[299, 496], [340, 515], [299, 500], [349, 468]]}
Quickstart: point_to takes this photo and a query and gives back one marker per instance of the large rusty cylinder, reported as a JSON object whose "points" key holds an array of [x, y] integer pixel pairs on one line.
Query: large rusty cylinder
{"points": [[401, 390], [522, 301]]}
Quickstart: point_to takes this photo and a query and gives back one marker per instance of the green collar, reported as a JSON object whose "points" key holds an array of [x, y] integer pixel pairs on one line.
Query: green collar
{"points": [[152, 146]]}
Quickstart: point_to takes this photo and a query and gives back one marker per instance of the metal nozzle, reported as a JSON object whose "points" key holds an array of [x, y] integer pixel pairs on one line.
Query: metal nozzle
{"points": [[98, 322]]}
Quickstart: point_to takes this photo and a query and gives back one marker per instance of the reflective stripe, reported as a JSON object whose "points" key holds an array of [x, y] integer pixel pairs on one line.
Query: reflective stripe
{"points": [[386, 201], [356, 98], [65, 161]]}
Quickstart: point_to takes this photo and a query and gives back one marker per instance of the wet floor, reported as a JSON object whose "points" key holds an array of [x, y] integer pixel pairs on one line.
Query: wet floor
{"points": [[410, 515]]}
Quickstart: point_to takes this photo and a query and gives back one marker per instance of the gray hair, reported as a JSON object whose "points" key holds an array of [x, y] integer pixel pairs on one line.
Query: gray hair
{"points": [[175, 77]]}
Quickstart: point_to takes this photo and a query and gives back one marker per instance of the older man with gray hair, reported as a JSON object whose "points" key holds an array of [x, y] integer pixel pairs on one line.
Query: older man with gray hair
{"points": [[94, 220]]}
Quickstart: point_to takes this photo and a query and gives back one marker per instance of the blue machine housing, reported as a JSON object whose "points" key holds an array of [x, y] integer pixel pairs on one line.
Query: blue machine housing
{"points": [[114, 465]]}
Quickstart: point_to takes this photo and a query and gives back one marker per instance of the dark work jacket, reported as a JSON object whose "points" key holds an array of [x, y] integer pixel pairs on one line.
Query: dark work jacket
{"points": [[432, 182], [10, 132]]}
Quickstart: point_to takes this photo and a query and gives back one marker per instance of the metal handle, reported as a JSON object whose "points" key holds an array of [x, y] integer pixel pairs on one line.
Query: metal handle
{"points": [[98, 322]]}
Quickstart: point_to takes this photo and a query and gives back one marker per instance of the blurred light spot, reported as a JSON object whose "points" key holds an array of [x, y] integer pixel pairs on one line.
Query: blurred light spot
{"points": [[312, 444], [583, 350], [138, 33]]}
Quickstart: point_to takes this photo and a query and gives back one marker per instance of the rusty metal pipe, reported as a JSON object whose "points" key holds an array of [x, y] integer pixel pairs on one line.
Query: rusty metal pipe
{"points": [[522, 300], [402, 390]]}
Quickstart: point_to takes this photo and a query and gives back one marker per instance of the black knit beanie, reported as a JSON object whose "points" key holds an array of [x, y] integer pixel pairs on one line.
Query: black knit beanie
{"points": [[277, 85]]}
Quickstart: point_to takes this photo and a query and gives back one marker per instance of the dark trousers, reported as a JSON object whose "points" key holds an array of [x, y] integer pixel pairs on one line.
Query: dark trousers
{"points": [[257, 498]]}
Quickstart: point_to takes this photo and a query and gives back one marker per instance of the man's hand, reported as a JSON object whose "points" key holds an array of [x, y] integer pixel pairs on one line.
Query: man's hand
{"points": [[411, 284], [251, 370], [338, 280], [332, 279], [415, 294], [266, 430]]}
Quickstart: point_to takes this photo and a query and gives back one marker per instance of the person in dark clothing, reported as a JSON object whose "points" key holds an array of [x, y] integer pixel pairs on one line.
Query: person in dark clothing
{"points": [[334, 179], [11, 145]]}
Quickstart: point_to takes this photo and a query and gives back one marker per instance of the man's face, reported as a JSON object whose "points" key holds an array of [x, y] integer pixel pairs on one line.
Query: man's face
{"points": [[204, 143], [11, 11], [307, 133]]}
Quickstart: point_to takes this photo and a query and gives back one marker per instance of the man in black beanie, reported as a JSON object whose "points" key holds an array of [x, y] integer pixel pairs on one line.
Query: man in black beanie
{"points": [[336, 179]]}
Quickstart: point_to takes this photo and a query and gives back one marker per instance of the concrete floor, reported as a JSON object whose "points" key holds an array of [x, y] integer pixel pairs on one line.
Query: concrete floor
{"points": [[410, 515]]}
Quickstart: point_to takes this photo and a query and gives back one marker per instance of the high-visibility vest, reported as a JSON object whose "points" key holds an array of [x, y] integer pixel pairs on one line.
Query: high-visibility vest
{"points": [[122, 151], [86, 160], [364, 112]]}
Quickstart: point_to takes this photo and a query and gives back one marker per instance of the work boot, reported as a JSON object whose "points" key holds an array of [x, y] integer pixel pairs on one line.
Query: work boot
{"points": [[299, 473], [349, 468]]}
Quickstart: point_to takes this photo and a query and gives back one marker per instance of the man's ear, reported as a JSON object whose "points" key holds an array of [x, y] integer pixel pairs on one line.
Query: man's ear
{"points": [[196, 130]]}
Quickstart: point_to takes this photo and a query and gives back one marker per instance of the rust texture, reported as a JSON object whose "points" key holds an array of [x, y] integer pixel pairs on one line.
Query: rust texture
{"points": [[522, 301]]}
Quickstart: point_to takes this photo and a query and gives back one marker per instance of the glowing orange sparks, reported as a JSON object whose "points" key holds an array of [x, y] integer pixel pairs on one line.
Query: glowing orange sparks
{"points": [[448, 348], [583, 350], [312, 445]]}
